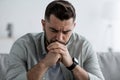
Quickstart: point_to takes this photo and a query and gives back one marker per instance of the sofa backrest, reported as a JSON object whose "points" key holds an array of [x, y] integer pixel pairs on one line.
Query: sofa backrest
{"points": [[110, 65]]}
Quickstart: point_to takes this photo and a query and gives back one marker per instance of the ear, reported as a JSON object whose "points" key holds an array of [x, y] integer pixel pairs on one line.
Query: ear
{"points": [[43, 24]]}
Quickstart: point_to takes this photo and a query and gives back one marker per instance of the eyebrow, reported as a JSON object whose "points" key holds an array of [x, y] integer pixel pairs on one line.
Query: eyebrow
{"points": [[58, 30]]}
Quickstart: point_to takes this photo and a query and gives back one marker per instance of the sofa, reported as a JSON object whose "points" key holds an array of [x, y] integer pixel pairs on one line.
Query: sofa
{"points": [[109, 63]]}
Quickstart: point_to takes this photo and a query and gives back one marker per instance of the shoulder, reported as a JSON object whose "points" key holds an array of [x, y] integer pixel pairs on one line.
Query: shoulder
{"points": [[29, 37], [27, 41], [82, 43], [80, 39], [84, 46]]}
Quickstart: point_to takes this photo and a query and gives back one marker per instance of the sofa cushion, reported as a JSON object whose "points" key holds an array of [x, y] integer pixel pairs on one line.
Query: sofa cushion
{"points": [[3, 66], [110, 65]]}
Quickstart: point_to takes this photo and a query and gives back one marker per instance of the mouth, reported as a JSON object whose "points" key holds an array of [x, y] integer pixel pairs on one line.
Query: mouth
{"points": [[52, 41]]}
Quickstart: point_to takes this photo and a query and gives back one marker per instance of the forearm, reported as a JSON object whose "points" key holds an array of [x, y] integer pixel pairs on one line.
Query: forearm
{"points": [[37, 72], [79, 73]]}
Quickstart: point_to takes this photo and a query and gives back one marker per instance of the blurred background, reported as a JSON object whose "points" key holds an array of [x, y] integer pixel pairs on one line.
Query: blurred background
{"points": [[97, 20]]}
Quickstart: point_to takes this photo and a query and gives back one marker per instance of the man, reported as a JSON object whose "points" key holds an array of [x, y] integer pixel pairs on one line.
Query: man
{"points": [[55, 54]]}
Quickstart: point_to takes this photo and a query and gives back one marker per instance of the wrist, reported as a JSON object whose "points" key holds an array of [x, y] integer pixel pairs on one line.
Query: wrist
{"points": [[43, 64], [73, 65]]}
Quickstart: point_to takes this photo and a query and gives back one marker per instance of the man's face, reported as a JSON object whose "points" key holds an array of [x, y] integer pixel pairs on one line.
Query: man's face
{"points": [[57, 30]]}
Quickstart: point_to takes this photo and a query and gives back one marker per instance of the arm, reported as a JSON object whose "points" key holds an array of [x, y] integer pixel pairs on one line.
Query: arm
{"points": [[37, 72], [90, 70], [78, 72], [18, 69], [90, 62], [17, 63]]}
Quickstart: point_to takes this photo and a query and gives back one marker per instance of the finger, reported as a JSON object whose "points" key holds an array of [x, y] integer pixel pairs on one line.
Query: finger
{"points": [[57, 51], [56, 43], [63, 52], [54, 54], [53, 48], [52, 44], [56, 46]]}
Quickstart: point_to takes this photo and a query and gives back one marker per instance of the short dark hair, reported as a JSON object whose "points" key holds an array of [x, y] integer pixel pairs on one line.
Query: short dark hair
{"points": [[61, 9]]}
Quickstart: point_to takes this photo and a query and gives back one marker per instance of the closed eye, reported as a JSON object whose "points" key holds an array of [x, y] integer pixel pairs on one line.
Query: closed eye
{"points": [[53, 30], [66, 32], [56, 31]]}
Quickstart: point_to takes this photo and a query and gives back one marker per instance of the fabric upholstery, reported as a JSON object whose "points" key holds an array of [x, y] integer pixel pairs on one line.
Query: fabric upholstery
{"points": [[110, 65]]}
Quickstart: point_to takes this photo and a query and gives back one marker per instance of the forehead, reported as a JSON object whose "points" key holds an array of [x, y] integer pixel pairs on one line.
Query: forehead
{"points": [[58, 24]]}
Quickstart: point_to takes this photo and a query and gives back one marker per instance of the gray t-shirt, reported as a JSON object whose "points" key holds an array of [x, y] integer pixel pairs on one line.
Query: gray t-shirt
{"points": [[28, 50]]}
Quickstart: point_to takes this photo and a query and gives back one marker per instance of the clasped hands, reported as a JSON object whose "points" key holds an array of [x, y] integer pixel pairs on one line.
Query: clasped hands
{"points": [[57, 52]]}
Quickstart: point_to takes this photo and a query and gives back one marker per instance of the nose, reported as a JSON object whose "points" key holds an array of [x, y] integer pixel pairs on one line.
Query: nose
{"points": [[59, 36]]}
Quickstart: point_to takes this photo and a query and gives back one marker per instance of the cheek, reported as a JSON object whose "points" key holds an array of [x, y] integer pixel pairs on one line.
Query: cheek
{"points": [[67, 37], [49, 35]]}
